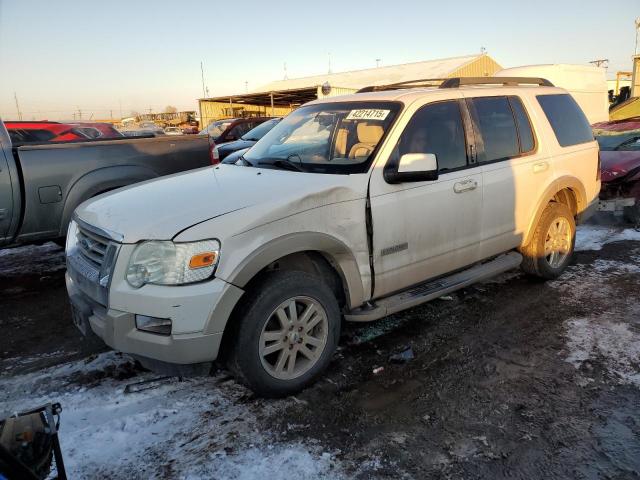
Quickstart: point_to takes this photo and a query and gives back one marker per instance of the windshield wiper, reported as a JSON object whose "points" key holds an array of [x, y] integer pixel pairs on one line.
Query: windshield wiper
{"points": [[285, 164]]}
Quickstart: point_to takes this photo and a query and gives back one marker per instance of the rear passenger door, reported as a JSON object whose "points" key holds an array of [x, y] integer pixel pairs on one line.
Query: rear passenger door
{"points": [[424, 229], [515, 169]]}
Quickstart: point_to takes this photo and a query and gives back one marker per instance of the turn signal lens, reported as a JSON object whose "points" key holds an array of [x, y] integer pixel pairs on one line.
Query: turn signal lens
{"points": [[202, 260]]}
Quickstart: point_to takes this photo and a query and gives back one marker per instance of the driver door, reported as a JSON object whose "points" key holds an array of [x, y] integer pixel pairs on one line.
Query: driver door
{"points": [[425, 229]]}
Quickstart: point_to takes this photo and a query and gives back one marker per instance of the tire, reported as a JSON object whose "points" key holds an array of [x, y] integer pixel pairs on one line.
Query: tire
{"points": [[267, 335], [555, 222]]}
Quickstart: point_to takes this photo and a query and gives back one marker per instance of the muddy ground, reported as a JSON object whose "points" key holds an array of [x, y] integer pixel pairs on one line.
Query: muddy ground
{"points": [[512, 378]]}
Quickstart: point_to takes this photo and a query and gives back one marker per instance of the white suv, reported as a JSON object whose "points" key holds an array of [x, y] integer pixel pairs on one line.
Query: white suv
{"points": [[351, 208]]}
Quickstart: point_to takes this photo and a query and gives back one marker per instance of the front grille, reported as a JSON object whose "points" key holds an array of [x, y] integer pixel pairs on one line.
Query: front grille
{"points": [[92, 247], [90, 264]]}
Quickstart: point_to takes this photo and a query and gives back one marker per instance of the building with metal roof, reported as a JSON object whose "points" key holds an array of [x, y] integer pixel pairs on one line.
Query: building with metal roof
{"points": [[281, 97]]}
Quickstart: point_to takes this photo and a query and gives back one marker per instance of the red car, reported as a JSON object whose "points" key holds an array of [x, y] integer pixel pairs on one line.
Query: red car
{"points": [[97, 130], [620, 168], [43, 131]]}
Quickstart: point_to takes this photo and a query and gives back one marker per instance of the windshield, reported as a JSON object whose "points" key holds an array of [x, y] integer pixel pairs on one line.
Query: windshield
{"points": [[260, 131], [215, 129], [338, 137], [620, 141]]}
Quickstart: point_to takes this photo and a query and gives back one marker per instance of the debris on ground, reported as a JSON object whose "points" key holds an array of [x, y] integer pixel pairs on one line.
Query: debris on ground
{"points": [[403, 356], [148, 384], [378, 370]]}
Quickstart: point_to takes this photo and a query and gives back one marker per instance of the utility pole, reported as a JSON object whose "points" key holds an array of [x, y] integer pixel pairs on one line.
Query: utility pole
{"points": [[329, 55], [110, 114], [79, 114], [637, 30], [246, 86], [286, 77], [204, 90], [15, 95], [378, 60]]}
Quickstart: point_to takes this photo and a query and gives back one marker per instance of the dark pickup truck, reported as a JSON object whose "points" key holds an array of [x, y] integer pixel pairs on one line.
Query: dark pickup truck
{"points": [[42, 184]]}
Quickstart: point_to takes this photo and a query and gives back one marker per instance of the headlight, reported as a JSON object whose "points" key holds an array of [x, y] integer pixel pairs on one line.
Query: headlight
{"points": [[168, 263]]}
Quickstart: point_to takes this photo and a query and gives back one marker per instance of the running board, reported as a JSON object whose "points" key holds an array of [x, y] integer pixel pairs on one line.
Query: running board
{"points": [[431, 290]]}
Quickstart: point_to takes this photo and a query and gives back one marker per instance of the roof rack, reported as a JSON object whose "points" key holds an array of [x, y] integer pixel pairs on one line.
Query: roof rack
{"points": [[421, 83], [456, 82], [505, 81]]}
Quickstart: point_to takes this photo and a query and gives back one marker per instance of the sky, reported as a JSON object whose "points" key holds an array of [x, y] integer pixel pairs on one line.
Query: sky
{"points": [[117, 56]]}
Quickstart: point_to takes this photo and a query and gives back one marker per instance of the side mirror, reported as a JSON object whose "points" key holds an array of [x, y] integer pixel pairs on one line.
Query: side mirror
{"points": [[414, 167]]}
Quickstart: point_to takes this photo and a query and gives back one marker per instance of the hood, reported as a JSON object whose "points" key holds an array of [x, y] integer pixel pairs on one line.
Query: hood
{"points": [[616, 165], [160, 209], [235, 145]]}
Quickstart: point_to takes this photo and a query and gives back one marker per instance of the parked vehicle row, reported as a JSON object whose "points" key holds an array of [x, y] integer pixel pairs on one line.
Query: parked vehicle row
{"points": [[351, 207]]}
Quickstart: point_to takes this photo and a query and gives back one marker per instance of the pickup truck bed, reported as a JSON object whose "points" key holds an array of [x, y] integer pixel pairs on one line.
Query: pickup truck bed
{"points": [[41, 185]]}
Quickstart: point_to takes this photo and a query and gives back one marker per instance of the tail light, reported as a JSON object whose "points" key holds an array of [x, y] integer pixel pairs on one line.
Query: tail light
{"points": [[599, 172], [214, 156]]}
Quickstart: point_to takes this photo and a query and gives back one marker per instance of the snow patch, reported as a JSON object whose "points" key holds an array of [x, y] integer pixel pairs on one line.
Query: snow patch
{"points": [[606, 340], [195, 428], [19, 261], [592, 237]]}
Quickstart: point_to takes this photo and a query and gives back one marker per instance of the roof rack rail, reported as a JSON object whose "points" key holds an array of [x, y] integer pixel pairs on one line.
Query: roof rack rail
{"points": [[421, 83], [456, 82]]}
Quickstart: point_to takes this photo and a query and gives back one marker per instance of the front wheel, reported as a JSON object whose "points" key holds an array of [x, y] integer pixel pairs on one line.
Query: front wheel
{"points": [[551, 248], [288, 329]]}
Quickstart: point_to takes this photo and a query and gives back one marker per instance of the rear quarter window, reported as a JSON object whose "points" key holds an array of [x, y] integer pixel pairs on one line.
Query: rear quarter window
{"points": [[567, 119]]}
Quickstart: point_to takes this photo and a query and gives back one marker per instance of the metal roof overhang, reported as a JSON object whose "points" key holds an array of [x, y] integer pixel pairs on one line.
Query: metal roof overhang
{"points": [[281, 98]]}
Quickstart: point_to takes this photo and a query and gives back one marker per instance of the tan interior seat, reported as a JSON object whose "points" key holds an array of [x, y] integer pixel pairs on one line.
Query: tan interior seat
{"points": [[341, 143], [368, 137]]}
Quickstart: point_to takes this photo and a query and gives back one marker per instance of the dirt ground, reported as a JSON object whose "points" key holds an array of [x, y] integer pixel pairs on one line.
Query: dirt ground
{"points": [[511, 378]]}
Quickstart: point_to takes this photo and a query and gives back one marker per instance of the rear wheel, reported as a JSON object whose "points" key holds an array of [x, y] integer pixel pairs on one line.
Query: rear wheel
{"points": [[288, 330], [551, 248]]}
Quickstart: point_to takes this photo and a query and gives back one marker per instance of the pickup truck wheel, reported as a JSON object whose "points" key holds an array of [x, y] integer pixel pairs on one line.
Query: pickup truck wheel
{"points": [[287, 333], [551, 248]]}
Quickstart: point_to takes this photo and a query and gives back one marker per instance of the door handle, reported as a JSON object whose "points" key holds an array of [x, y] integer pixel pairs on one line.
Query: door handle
{"points": [[540, 167], [465, 186]]}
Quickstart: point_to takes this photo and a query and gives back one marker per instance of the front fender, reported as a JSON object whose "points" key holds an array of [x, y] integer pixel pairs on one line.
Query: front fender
{"points": [[335, 251], [101, 181]]}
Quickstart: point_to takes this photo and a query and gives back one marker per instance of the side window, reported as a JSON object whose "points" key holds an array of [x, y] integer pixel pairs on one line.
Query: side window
{"points": [[237, 131], [436, 128], [494, 119], [525, 132], [567, 119]]}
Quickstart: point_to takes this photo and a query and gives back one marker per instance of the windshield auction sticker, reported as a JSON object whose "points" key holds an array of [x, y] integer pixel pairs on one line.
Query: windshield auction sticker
{"points": [[368, 114]]}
